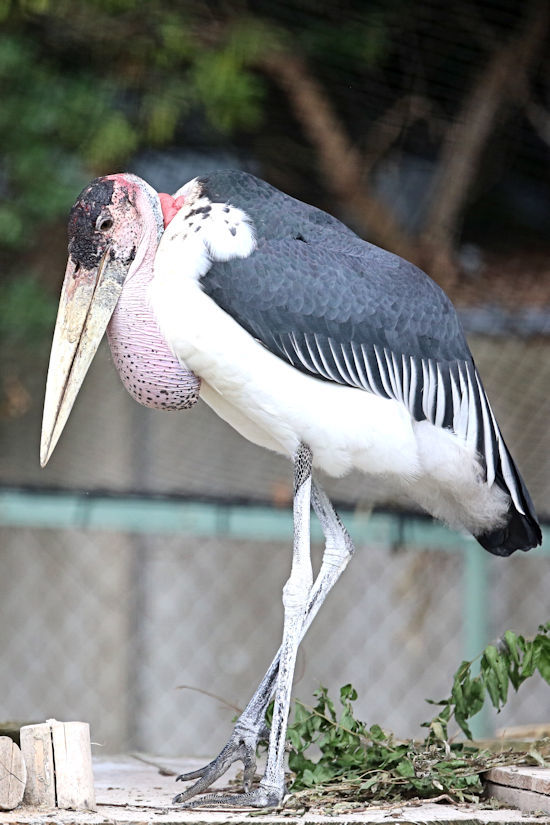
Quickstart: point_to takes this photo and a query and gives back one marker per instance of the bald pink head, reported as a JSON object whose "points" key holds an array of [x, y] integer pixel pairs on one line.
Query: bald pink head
{"points": [[125, 219]]}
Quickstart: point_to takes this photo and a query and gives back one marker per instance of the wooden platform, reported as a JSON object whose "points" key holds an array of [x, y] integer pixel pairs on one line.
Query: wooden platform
{"points": [[132, 790], [525, 788]]}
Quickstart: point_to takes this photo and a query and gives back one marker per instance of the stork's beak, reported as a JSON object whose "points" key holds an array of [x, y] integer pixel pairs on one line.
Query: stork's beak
{"points": [[88, 299]]}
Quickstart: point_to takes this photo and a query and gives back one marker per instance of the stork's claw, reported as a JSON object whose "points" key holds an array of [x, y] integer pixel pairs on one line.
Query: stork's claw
{"points": [[258, 798], [240, 747]]}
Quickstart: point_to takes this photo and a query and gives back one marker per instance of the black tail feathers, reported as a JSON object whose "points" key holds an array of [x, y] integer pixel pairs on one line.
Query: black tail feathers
{"points": [[521, 530], [519, 533]]}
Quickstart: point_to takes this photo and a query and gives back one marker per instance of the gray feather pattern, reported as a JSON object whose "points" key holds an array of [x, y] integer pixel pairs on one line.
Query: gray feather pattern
{"points": [[427, 394], [456, 400], [285, 350], [345, 311], [373, 382], [358, 359], [351, 368], [345, 377], [488, 435], [509, 476], [318, 366], [305, 360], [472, 433], [440, 403], [382, 369], [390, 369], [399, 382], [406, 381], [414, 382], [462, 427], [332, 374]]}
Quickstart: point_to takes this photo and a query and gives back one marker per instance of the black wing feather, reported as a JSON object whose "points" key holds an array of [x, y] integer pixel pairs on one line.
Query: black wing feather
{"points": [[343, 310], [345, 316]]}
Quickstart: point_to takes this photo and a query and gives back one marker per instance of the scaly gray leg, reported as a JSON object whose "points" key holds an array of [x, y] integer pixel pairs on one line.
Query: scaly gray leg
{"points": [[250, 727]]}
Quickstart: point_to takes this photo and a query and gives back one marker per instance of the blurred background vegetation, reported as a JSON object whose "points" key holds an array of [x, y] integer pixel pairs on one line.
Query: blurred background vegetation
{"points": [[426, 126]]}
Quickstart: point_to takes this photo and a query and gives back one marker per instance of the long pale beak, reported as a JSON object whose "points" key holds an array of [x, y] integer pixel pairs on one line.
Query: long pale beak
{"points": [[88, 299]]}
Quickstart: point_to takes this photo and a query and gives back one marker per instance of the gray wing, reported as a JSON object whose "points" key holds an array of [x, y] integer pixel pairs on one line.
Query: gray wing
{"points": [[365, 318]]}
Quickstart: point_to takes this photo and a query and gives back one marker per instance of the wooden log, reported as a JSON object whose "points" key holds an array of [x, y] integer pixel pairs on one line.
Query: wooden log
{"points": [[37, 749], [13, 774], [73, 765], [59, 764]]}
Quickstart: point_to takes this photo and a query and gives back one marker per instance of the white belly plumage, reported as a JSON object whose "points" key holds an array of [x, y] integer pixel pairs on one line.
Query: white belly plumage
{"points": [[276, 406]]}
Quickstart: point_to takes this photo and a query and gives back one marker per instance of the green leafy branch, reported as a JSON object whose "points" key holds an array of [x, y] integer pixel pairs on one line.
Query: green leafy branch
{"points": [[511, 661], [359, 764]]}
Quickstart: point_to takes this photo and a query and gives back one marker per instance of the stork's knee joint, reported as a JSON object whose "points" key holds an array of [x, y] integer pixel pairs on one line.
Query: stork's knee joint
{"points": [[295, 592]]}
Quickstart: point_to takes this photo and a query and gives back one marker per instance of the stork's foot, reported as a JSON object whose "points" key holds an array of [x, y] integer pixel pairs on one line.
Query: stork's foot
{"points": [[241, 747], [258, 798]]}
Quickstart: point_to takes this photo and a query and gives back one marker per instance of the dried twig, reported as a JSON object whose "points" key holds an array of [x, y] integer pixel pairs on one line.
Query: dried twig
{"points": [[221, 699]]}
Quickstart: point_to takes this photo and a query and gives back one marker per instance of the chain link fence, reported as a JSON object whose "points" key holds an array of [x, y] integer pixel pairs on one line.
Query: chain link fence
{"points": [[106, 626]]}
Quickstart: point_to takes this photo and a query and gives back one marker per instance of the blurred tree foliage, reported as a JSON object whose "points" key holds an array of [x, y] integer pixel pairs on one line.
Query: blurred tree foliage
{"points": [[87, 83]]}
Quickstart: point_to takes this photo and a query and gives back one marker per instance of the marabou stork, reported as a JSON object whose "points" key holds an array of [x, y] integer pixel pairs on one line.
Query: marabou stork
{"points": [[309, 341]]}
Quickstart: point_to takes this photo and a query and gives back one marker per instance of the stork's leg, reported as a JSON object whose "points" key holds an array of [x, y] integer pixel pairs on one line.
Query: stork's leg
{"points": [[250, 727], [295, 599]]}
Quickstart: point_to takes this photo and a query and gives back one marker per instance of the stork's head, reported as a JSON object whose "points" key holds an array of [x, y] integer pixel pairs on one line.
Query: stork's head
{"points": [[115, 223]]}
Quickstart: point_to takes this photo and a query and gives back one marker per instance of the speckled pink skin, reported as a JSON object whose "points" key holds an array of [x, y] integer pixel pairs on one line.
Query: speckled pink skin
{"points": [[148, 369]]}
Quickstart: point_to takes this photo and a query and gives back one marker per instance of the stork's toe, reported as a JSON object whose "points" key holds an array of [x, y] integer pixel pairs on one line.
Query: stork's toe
{"points": [[260, 797], [241, 747]]}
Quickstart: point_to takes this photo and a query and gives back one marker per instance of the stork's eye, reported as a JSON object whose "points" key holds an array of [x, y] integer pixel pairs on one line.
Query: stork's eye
{"points": [[103, 223]]}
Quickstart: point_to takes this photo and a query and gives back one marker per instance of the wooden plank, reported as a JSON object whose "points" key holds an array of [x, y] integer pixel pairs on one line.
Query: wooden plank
{"points": [[13, 774], [538, 731], [141, 788], [528, 779], [525, 788], [527, 802]]}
